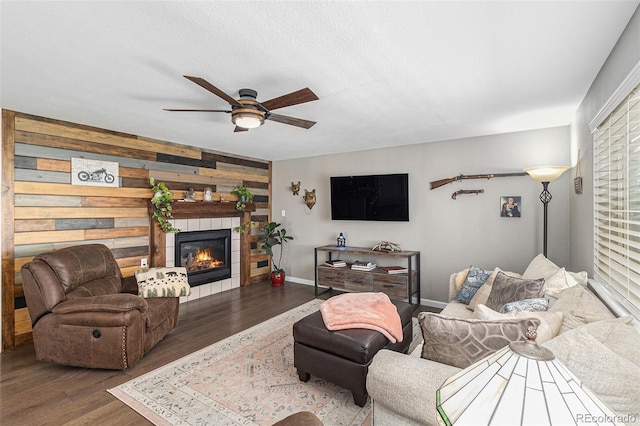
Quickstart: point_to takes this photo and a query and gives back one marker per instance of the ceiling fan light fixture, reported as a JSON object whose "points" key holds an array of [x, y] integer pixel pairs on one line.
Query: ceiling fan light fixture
{"points": [[247, 118]]}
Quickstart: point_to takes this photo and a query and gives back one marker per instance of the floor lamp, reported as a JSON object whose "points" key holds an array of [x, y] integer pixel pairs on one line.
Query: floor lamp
{"points": [[545, 175]]}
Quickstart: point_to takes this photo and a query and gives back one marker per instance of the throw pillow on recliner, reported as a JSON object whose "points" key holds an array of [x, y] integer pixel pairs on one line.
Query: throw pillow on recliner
{"points": [[462, 342], [162, 282]]}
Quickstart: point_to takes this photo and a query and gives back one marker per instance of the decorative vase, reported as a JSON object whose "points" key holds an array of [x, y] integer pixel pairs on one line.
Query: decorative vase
{"points": [[277, 279]]}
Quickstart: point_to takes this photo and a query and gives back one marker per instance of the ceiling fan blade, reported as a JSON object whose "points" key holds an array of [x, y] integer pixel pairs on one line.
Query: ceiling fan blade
{"points": [[197, 110], [240, 129], [213, 89], [294, 98], [299, 122]]}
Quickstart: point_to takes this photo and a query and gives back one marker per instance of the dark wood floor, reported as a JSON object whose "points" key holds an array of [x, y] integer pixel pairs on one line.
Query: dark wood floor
{"points": [[38, 393]]}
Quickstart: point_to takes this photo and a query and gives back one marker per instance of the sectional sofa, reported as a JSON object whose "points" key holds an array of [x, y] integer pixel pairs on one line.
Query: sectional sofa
{"points": [[602, 350]]}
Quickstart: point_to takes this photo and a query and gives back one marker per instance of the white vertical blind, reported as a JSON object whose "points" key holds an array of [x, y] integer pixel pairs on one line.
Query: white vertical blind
{"points": [[616, 175]]}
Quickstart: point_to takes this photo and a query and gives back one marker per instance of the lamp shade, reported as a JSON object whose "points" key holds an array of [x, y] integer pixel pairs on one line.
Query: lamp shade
{"points": [[515, 387], [546, 173], [247, 118]]}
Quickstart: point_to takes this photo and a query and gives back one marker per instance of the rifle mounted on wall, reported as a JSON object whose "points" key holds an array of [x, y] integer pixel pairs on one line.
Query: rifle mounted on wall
{"points": [[438, 183]]}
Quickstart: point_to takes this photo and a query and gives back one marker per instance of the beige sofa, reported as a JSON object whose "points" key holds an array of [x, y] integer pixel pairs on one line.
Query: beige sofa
{"points": [[403, 387]]}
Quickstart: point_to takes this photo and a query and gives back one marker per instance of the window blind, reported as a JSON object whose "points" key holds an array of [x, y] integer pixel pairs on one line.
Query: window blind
{"points": [[616, 191]]}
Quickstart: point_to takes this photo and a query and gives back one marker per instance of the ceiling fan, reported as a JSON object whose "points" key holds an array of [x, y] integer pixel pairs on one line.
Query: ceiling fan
{"points": [[247, 113]]}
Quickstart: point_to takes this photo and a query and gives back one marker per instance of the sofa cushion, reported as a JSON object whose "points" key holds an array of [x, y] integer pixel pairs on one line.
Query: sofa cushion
{"points": [[456, 310], [162, 282], [615, 379], [580, 307], [550, 322], [506, 289], [539, 304], [483, 292], [475, 278], [541, 267], [461, 342]]}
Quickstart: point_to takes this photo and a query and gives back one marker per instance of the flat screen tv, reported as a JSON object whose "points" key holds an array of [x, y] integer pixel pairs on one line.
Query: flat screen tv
{"points": [[372, 197]]}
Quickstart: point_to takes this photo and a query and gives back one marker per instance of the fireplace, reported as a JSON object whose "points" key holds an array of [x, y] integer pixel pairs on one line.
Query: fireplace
{"points": [[205, 254]]}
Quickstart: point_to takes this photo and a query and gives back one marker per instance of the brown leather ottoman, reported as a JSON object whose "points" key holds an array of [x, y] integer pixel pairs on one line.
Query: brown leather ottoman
{"points": [[342, 357]]}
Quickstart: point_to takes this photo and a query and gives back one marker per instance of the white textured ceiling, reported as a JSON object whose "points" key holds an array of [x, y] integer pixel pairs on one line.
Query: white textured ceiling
{"points": [[387, 73]]}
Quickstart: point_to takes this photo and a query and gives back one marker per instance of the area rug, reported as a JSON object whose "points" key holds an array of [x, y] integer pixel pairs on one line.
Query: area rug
{"points": [[246, 379]]}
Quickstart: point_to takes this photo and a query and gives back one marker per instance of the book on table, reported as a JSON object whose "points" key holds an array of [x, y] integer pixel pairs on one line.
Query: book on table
{"points": [[394, 269], [357, 267], [364, 264], [336, 263]]}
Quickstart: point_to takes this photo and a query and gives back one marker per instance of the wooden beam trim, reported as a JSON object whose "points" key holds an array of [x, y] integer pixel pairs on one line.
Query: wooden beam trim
{"points": [[8, 194]]}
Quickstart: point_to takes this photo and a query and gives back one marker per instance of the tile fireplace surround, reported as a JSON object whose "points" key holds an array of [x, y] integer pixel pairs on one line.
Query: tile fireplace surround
{"points": [[208, 224]]}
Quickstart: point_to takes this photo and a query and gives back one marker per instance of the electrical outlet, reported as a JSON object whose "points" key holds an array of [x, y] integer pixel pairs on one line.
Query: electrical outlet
{"points": [[143, 262]]}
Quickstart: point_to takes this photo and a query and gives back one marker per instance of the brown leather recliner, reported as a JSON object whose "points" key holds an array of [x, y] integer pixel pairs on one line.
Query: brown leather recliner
{"points": [[81, 314]]}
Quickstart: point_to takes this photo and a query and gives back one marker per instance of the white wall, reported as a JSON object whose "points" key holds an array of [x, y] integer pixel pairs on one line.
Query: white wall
{"points": [[450, 234], [623, 58]]}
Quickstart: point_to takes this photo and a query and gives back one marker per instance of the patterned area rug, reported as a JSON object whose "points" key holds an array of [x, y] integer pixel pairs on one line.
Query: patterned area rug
{"points": [[246, 379]]}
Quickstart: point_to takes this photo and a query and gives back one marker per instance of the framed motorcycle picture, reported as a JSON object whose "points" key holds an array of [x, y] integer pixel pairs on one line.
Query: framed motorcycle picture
{"points": [[89, 172]]}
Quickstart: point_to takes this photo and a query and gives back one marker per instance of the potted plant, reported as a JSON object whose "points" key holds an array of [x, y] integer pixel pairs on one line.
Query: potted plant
{"points": [[273, 236], [244, 196], [161, 200]]}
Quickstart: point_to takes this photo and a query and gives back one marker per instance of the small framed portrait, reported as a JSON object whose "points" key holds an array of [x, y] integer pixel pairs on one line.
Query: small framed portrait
{"points": [[510, 206]]}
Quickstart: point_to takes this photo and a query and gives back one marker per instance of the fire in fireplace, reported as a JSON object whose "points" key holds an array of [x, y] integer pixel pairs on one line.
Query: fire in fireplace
{"points": [[205, 254]]}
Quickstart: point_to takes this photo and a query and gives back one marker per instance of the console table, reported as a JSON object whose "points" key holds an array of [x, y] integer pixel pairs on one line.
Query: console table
{"points": [[404, 286]]}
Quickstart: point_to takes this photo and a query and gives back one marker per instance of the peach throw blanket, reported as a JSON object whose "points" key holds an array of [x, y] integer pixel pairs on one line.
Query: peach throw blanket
{"points": [[373, 311]]}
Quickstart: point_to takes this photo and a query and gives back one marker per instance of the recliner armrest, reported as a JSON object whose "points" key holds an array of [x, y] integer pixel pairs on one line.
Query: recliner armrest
{"points": [[120, 302]]}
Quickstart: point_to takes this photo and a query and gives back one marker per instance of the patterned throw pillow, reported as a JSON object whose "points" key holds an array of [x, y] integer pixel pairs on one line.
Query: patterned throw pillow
{"points": [[475, 278], [462, 342], [484, 291], [508, 289], [539, 304], [162, 282]]}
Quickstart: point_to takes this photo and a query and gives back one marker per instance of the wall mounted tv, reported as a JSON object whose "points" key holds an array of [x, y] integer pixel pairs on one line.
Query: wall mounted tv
{"points": [[372, 197]]}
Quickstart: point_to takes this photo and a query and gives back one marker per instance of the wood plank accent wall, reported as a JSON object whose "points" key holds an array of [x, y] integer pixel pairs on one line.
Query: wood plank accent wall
{"points": [[42, 211]]}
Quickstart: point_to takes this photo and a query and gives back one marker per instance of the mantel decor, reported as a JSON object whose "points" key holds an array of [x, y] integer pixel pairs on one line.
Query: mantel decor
{"points": [[162, 202], [244, 196]]}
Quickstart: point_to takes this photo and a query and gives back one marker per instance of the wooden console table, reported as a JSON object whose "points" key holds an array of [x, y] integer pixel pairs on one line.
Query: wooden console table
{"points": [[397, 286]]}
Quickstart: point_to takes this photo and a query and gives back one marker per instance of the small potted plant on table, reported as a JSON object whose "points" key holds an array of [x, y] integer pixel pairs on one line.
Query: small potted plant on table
{"points": [[274, 236]]}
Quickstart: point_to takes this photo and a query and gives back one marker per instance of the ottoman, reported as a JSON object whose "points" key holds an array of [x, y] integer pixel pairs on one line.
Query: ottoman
{"points": [[342, 357]]}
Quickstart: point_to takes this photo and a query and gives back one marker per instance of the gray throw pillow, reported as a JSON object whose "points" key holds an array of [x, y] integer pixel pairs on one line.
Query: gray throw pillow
{"points": [[506, 289], [462, 342]]}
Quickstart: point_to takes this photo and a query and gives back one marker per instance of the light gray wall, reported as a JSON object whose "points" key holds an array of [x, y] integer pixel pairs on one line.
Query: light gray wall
{"points": [[450, 234], [621, 61]]}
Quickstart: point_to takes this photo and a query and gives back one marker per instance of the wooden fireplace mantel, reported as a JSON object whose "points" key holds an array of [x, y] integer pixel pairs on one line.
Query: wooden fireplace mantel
{"points": [[196, 210]]}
